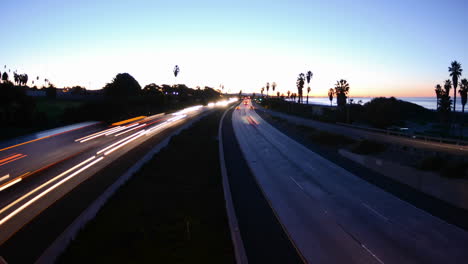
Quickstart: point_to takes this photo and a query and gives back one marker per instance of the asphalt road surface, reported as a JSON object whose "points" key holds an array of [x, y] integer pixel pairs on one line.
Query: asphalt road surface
{"points": [[333, 216], [35, 174], [363, 134]]}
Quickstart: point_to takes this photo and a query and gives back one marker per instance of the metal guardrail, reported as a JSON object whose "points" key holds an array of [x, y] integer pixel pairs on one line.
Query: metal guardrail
{"points": [[407, 135]]}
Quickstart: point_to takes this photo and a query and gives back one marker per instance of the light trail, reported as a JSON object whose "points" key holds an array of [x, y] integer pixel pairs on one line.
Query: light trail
{"points": [[123, 144], [45, 184], [10, 184], [120, 129], [121, 133], [118, 142], [13, 159], [5, 177], [22, 207], [97, 134]]}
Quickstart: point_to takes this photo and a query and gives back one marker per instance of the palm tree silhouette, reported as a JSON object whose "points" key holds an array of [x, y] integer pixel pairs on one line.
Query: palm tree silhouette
{"points": [[455, 71], [176, 72], [463, 93], [261, 91], [289, 94], [300, 85], [267, 87], [308, 78], [438, 91], [331, 93], [341, 92], [273, 87]]}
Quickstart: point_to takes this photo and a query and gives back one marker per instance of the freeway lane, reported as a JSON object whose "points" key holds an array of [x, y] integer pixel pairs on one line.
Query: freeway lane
{"points": [[363, 134], [333, 216], [81, 154]]}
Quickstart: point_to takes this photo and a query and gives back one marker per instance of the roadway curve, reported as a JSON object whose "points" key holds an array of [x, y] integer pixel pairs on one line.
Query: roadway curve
{"points": [[51, 167], [333, 216]]}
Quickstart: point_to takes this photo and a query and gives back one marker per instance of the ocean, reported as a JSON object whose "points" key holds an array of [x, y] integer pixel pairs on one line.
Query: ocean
{"points": [[427, 102]]}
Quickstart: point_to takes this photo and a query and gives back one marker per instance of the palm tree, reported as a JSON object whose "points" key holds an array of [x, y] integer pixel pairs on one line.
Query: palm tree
{"points": [[267, 87], [261, 91], [341, 92], [438, 91], [300, 85], [463, 93], [289, 94], [176, 72], [331, 93], [308, 78], [278, 94], [455, 71], [273, 86]]}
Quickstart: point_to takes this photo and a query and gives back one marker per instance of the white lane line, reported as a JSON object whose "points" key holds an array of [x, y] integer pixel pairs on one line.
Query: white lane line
{"points": [[19, 209], [370, 252], [120, 141], [300, 186], [5, 177], [43, 185], [375, 211], [126, 131], [10, 184]]}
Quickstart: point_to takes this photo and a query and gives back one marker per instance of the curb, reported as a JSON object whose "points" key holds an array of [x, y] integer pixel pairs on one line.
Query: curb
{"points": [[239, 249], [57, 247]]}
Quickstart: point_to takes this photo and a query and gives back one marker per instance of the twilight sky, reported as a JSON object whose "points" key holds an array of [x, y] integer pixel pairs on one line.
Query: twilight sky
{"points": [[394, 47]]}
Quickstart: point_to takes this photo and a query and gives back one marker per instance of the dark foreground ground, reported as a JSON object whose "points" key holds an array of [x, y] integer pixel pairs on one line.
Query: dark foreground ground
{"points": [[171, 211]]}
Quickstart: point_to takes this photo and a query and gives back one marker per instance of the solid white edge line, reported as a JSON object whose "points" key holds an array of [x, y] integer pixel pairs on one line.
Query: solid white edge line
{"points": [[238, 244], [19, 209]]}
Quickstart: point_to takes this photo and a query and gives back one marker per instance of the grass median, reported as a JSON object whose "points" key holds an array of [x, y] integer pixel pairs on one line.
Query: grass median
{"points": [[171, 211]]}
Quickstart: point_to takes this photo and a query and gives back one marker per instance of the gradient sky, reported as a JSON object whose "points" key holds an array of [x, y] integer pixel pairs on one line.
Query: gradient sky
{"points": [[397, 47]]}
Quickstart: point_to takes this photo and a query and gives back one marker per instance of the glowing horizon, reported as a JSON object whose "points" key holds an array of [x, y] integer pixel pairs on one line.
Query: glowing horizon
{"points": [[382, 49]]}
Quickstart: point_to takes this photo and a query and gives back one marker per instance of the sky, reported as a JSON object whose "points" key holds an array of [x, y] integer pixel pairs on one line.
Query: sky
{"points": [[382, 48]]}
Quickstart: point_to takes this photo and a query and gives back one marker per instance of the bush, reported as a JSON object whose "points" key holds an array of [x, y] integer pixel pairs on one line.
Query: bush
{"points": [[367, 147]]}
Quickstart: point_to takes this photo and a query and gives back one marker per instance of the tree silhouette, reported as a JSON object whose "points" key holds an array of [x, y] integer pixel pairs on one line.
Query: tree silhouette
{"points": [[439, 92], [300, 85], [455, 71], [289, 94], [463, 93], [278, 94], [445, 101], [5, 76], [273, 87], [308, 78], [341, 92], [331, 93], [261, 91], [122, 85], [176, 72], [267, 87]]}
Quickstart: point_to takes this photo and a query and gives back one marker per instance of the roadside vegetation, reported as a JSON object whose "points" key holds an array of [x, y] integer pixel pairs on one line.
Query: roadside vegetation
{"points": [[25, 109], [380, 112], [450, 166], [171, 211]]}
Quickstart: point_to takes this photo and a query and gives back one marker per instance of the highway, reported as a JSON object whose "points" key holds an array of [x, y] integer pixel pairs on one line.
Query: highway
{"points": [[363, 134], [333, 216], [35, 174]]}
